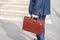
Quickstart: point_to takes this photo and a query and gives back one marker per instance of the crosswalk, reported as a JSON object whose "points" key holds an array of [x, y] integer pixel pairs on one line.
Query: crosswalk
{"points": [[14, 8]]}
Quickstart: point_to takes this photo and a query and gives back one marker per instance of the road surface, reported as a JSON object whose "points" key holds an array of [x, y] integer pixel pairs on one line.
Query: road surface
{"points": [[11, 27]]}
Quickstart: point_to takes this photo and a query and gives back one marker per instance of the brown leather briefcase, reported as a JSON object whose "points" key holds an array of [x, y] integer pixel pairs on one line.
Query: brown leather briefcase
{"points": [[32, 25]]}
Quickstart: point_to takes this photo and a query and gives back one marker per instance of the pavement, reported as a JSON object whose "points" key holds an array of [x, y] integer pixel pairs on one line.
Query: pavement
{"points": [[12, 30], [11, 26]]}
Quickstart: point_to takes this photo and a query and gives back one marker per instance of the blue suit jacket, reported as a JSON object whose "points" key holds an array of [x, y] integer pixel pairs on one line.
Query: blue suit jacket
{"points": [[39, 7]]}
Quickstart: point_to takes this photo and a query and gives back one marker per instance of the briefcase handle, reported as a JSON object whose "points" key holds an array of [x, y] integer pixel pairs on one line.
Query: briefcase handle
{"points": [[31, 15], [37, 18]]}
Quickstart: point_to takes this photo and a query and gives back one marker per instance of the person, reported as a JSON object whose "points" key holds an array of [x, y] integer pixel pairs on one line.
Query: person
{"points": [[40, 8]]}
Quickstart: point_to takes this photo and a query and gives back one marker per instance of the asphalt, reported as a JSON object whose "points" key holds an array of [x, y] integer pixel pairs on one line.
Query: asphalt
{"points": [[12, 30]]}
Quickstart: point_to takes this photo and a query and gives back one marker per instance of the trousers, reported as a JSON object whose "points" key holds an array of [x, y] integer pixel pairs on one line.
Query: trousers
{"points": [[41, 37]]}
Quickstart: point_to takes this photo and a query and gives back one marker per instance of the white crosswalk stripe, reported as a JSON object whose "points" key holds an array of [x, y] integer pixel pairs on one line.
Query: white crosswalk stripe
{"points": [[48, 21]]}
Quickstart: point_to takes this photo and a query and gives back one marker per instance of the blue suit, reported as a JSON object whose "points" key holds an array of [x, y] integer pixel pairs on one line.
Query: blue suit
{"points": [[40, 8]]}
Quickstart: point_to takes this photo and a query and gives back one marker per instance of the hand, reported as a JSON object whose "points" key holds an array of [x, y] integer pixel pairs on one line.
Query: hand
{"points": [[31, 15]]}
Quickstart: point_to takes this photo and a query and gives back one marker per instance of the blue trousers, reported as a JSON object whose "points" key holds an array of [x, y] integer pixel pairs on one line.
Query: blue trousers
{"points": [[41, 37]]}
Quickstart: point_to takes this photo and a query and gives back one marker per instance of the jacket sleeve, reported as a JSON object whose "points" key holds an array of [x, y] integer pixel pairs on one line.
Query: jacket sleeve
{"points": [[34, 6], [31, 6], [47, 7]]}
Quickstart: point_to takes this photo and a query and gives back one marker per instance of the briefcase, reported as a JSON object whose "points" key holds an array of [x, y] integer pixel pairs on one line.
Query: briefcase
{"points": [[32, 25]]}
